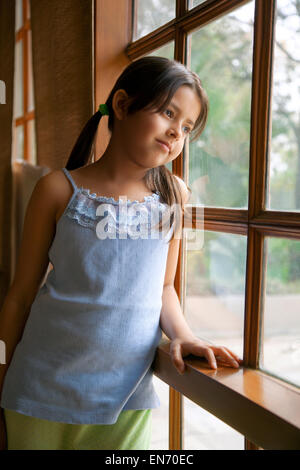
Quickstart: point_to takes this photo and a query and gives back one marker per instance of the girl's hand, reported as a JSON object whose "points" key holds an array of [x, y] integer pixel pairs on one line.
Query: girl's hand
{"points": [[182, 347]]}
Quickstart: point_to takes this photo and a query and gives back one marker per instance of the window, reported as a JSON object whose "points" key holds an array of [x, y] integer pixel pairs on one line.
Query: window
{"points": [[24, 141], [245, 171]]}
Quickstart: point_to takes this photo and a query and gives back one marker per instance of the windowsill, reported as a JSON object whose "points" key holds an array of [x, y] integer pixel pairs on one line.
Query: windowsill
{"points": [[264, 410]]}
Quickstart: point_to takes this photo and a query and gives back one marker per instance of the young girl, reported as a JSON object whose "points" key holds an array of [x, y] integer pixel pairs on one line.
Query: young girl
{"points": [[79, 349]]}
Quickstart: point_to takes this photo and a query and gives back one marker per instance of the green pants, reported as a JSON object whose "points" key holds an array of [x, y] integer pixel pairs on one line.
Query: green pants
{"points": [[132, 431]]}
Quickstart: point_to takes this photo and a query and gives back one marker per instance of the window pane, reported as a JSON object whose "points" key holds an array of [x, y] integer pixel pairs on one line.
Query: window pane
{"points": [[18, 80], [165, 51], [18, 142], [215, 289], [30, 89], [151, 14], [160, 417], [194, 3], [203, 431], [221, 54], [280, 343], [284, 161], [32, 141], [19, 14]]}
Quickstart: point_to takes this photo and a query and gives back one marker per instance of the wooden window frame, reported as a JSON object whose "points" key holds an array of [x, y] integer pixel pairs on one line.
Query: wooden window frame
{"points": [[23, 35], [263, 408]]}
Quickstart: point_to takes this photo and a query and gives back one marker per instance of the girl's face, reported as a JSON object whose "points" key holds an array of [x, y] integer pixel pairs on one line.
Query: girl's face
{"points": [[152, 138]]}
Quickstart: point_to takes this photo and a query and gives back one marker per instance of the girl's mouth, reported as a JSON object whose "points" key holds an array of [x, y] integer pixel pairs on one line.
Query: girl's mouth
{"points": [[163, 145]]}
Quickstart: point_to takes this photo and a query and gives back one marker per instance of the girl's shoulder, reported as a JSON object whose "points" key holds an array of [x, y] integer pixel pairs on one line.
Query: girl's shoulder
{"points": [[57, 189]]}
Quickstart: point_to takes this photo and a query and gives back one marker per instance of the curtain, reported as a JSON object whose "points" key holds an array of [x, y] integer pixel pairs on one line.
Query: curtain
{"points": [[62, 55], [7, 54]]}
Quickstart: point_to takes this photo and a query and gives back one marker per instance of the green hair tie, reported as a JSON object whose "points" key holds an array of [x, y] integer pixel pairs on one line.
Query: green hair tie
{"points": [[103, 108]]}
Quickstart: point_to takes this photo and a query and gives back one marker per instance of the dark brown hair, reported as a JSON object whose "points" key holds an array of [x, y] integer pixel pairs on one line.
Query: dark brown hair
{"points": [[150, 83]]}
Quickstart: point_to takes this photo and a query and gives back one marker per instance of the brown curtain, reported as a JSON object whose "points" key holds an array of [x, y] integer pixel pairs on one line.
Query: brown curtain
{"points": [[62, 55], [7, 54]]}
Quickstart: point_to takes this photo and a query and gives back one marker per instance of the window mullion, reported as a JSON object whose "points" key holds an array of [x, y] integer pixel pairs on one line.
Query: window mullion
{"points": [[260, 104]]}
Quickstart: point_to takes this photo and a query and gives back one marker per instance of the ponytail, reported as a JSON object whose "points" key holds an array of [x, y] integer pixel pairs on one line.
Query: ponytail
{"points": [[84, 146]]}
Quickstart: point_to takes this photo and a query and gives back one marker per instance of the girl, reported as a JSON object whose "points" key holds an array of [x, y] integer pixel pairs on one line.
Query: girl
{"points": [[80, 348]]}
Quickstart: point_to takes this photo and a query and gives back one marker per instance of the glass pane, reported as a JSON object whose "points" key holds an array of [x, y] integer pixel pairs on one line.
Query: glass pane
{"points": [[32, 141], [221, 54], [215, 289], [194, 3], [151, 14], [18, 80], [280, 343], [165, 51], [160, 417], [284, 160], [19, 14], [19, 142], [203, 431], [2, 92], [30, 89]]}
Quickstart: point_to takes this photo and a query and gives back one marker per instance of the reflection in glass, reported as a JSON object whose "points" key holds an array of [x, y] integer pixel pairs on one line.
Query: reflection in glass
{"points": [[215, 289], [280, 342], [151, 14], [18, 80], [221, 54], [284, 160], [203, 431]]}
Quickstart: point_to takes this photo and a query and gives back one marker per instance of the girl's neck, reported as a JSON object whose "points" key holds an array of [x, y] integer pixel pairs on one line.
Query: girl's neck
{"points": [[117, 168]]}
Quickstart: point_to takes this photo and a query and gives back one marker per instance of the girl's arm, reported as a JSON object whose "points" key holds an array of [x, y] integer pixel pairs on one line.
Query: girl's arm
{"points": [[38, 232], [173, 323]]}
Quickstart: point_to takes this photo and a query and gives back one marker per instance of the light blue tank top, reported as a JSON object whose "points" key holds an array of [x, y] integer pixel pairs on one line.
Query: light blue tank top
{"points": [[90, 338]]}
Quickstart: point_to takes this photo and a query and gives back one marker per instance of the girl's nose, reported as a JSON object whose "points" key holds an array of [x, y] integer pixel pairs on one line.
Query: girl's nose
{"points": [[175, 131]]}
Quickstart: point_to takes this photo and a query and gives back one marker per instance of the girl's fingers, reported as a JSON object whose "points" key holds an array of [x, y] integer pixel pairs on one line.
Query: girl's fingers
{"points": [[237, 358], [227, 356], [209, 352], [177, 357], [209, 355]]}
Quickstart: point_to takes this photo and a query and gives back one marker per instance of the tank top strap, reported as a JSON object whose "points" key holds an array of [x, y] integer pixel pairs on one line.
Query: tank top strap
{"points": [[68, 175]]}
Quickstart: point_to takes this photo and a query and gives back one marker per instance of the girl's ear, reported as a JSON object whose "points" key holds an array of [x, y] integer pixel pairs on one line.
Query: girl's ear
{"points": [[120, 104]]}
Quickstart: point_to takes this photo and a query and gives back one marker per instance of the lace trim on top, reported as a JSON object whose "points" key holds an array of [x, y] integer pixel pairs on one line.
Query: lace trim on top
{"points": [[134, 220], [153, 197]]}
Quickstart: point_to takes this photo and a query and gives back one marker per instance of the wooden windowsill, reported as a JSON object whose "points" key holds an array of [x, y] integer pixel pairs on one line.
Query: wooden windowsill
{"points": [[264, 410]]}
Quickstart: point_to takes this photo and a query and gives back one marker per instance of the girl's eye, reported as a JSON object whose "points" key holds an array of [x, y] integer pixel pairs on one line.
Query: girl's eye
{"points": [[169, 111], [188, 129]]}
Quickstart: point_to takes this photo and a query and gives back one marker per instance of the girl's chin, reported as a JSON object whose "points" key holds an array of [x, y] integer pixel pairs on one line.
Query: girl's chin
{"points": [[157, 159]]}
